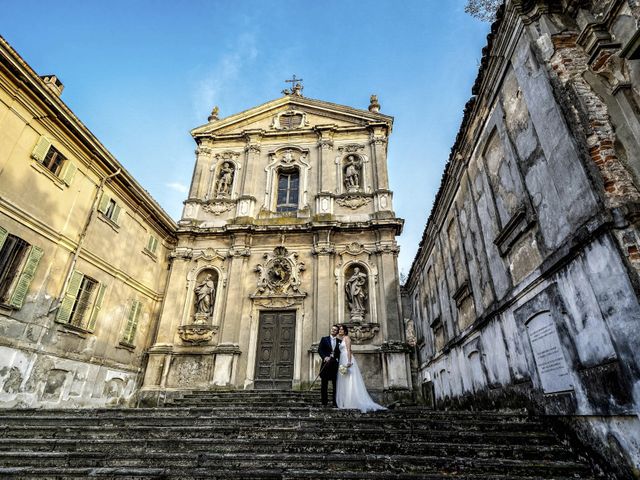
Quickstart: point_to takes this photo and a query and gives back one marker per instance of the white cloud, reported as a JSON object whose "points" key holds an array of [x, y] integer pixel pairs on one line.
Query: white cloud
{"points": [[177, 186], [218, 82]]}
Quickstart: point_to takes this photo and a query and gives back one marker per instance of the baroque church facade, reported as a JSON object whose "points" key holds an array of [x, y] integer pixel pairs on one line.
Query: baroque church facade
{"points": [[524, 292], [288, 229]]}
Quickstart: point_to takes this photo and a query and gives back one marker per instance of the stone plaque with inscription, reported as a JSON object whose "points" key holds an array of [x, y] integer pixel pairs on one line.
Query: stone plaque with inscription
{"points": [[547, 352]]}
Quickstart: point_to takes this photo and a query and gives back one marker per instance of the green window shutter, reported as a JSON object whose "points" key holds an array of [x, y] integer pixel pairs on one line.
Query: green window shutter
{"points": [[104, 203], [153, 244], [41, 149], [132, 322], [96, 307], [68, 172], [3, 236], [115, 215], [64, 312], [26, 276]]}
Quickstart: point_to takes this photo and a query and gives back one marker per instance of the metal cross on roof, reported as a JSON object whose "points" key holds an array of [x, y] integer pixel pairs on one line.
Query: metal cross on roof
{"points": [[296, 86], [294, 81]]}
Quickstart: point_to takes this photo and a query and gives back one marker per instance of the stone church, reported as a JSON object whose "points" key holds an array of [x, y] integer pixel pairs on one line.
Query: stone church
{"points": [[524, 292], [288, 228]]}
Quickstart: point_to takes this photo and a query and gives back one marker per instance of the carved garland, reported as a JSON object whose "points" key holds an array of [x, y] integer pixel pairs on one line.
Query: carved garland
{"points": [[353, 201]]}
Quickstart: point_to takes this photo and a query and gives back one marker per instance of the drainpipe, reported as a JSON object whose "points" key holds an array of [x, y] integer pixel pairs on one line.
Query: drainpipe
{"points": [[83, 234]]}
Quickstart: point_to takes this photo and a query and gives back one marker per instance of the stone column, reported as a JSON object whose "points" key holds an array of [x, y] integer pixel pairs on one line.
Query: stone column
{"points": [[389, 307], [323, 297], [198, 181], [239, 254], [379, 157], [325, 174], [253, 179]]}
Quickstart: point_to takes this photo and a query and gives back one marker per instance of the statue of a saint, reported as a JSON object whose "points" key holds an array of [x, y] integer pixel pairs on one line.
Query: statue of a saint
{"points": [[225, 180], [352, 173], [205, 293], [356, 294]]}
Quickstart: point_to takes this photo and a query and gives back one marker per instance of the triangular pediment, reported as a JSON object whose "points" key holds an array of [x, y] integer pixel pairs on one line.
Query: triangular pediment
{"points": [[303, 113]]}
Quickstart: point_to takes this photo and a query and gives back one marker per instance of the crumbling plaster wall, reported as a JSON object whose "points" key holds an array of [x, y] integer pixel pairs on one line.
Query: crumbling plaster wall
{"points": [[540, 200]]}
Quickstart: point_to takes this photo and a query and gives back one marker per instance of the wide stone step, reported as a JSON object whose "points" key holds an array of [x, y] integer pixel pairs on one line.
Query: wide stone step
{"points": [[333, 461], [267, 421], [28, 473], [314, 445], [279, 410], [276, 432]]}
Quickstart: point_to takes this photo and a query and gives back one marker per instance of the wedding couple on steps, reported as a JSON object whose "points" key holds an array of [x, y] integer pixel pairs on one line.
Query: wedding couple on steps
{"points": [[339, 367]]}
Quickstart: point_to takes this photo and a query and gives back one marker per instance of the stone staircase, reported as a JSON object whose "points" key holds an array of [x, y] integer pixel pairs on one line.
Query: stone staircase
{"points": [[279, 435]]}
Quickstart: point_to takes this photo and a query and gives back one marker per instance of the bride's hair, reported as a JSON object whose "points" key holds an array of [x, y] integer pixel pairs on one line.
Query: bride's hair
{"points": [[344, 327]]}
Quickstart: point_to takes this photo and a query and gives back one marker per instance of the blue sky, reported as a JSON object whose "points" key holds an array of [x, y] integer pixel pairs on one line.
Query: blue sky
{"points": [[141, 74]]}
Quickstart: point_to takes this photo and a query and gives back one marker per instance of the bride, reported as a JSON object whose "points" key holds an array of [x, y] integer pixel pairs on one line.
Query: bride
{"points": [[351, 393]]}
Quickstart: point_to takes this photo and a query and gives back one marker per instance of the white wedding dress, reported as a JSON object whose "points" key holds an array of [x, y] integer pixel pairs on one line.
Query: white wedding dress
{"points": [[351, 392]]}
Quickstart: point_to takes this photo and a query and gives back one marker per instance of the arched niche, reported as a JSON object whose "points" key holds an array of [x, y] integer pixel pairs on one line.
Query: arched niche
{"points": [[223, 180], [352, 167], [358, 292]]}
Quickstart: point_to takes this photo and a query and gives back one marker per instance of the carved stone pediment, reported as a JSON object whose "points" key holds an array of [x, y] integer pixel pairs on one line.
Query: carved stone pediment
{"points": [[362, 332], [353, 201], [197, 334], [280, 273]]}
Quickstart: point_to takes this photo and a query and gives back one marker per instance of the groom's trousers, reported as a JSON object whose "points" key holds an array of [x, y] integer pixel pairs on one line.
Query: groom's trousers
{"points": [[324, 393]]}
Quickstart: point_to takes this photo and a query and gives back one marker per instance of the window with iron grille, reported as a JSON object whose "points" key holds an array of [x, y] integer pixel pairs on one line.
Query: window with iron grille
{"points": [[288, 189], [18, 263]]}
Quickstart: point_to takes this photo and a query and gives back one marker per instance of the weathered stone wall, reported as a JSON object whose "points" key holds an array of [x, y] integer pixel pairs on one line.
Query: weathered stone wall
{"points": [[525, 287]]}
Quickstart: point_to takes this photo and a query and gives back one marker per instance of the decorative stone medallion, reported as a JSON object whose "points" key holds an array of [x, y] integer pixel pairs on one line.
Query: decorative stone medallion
{"points": [[280, 273]]}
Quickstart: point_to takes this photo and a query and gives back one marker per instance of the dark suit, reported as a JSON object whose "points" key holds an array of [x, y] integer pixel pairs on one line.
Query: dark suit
{"points": [[329, 372]]}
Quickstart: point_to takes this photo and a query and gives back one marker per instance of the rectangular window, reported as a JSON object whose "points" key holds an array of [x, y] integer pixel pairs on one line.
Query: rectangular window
{"points": [[109, 208], [288, 189], [82, 302], [152, 244], [18, 263], [129, 334], [54, 161], [12, 256]]}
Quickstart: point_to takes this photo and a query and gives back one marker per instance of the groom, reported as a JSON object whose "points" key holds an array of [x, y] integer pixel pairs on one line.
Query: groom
{"points": [[329, 351]]}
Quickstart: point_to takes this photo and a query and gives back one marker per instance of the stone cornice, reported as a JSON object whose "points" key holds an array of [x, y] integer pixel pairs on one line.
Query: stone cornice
{"points": [[312, 104], [311, 226]]}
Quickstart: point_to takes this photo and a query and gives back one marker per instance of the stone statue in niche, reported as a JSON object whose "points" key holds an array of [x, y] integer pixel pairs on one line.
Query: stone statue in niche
{"points": [[204, 297], [225, 180], [352, 173], [356, 290]]}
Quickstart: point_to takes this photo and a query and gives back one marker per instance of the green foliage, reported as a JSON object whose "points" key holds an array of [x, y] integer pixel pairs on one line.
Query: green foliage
{"points": [[484, 10]]}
